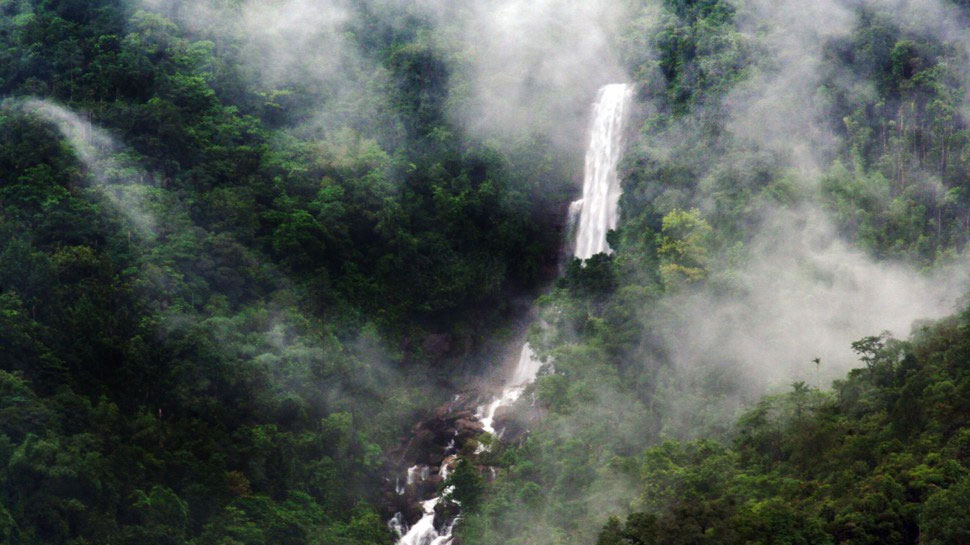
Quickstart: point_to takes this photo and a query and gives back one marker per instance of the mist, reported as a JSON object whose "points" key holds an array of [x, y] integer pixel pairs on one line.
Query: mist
{"points": [[804, 293], [528, 66], [785, 307], [516, 68], [115, 179], [801, 289], [274, 341], [798, 289]]}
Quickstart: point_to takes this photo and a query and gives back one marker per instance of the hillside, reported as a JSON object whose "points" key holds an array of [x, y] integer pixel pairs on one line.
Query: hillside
{"points": [[262, 262]]}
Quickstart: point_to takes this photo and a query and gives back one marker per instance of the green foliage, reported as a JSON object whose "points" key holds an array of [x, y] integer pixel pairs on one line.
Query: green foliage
{"points": [[852, 467], [683, 248], [469, 485], [222, 376], [944, 517], [234, 373], [805, 467], [905, 195]]}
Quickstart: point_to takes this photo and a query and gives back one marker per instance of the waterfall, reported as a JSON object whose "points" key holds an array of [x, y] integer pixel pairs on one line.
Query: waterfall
{"points": [[524, 374], [599, 207], [597, 213]]}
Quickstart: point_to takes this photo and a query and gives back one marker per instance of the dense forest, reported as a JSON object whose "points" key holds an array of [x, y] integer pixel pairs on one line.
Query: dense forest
{"points": [[245, 247]]}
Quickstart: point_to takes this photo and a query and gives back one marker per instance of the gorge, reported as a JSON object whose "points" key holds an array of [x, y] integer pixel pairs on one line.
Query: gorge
{"points": [[594, 215], [373, 272]]}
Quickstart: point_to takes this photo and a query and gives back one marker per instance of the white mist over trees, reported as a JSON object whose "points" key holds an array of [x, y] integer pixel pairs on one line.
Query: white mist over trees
{"points": [[798, 287], [795, 289], [262, 266], [99, 154], [520, 65]]}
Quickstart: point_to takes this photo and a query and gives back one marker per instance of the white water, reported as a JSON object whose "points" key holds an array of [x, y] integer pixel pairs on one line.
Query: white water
{"points": [[423, 532], [413, 473], [525, 372], [599, 207], [597, 213], [445, 470]]}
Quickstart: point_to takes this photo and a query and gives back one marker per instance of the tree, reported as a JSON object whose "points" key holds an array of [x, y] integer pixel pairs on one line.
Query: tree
{"points": [[945, 517], [684, 248], [469, 485]]}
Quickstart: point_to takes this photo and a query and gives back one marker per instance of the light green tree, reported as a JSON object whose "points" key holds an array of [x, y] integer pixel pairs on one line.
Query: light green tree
{"points": [[684, 248]]}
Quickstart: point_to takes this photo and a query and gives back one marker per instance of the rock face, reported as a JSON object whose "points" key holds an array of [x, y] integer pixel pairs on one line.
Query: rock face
{"points": [[421, 464], [466, 429]]}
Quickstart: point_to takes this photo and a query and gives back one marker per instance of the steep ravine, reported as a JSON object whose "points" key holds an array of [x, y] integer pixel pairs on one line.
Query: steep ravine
{"points": [[423, 512]]}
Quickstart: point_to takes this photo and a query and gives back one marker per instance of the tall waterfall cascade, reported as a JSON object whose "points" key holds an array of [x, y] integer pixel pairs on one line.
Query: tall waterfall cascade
{"points": [[598, 209], [597, 213]]}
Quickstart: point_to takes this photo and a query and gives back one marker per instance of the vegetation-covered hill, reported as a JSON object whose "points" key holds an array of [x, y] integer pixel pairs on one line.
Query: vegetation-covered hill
{"points": [[716, 176], [228, 289], [232, 372], [883, 458]]}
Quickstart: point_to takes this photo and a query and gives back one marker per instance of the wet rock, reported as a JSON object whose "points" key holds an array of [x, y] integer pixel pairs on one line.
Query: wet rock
{"points": [[467, 427], [436, 426], [503, 412], [442, 412], [503, 415], [445, 511], [413, 512], [426, 488], [450, 462]]}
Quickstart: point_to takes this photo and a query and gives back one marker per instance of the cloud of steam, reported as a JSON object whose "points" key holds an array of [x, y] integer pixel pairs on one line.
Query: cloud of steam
{"points": [[801, 292], [302, 52], [779, 108], [804, 293], [519, 67], [109, 174], [529, 66], [285, 41], [270, 339]]}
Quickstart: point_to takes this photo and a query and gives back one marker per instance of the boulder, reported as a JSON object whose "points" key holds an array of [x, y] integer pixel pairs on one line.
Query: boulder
{"points": [[468, 427], [436, 426], [442, 412], [413, 512], [502, 415], [464, 414], [434, 458], [450, 462], [445, 512]]}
